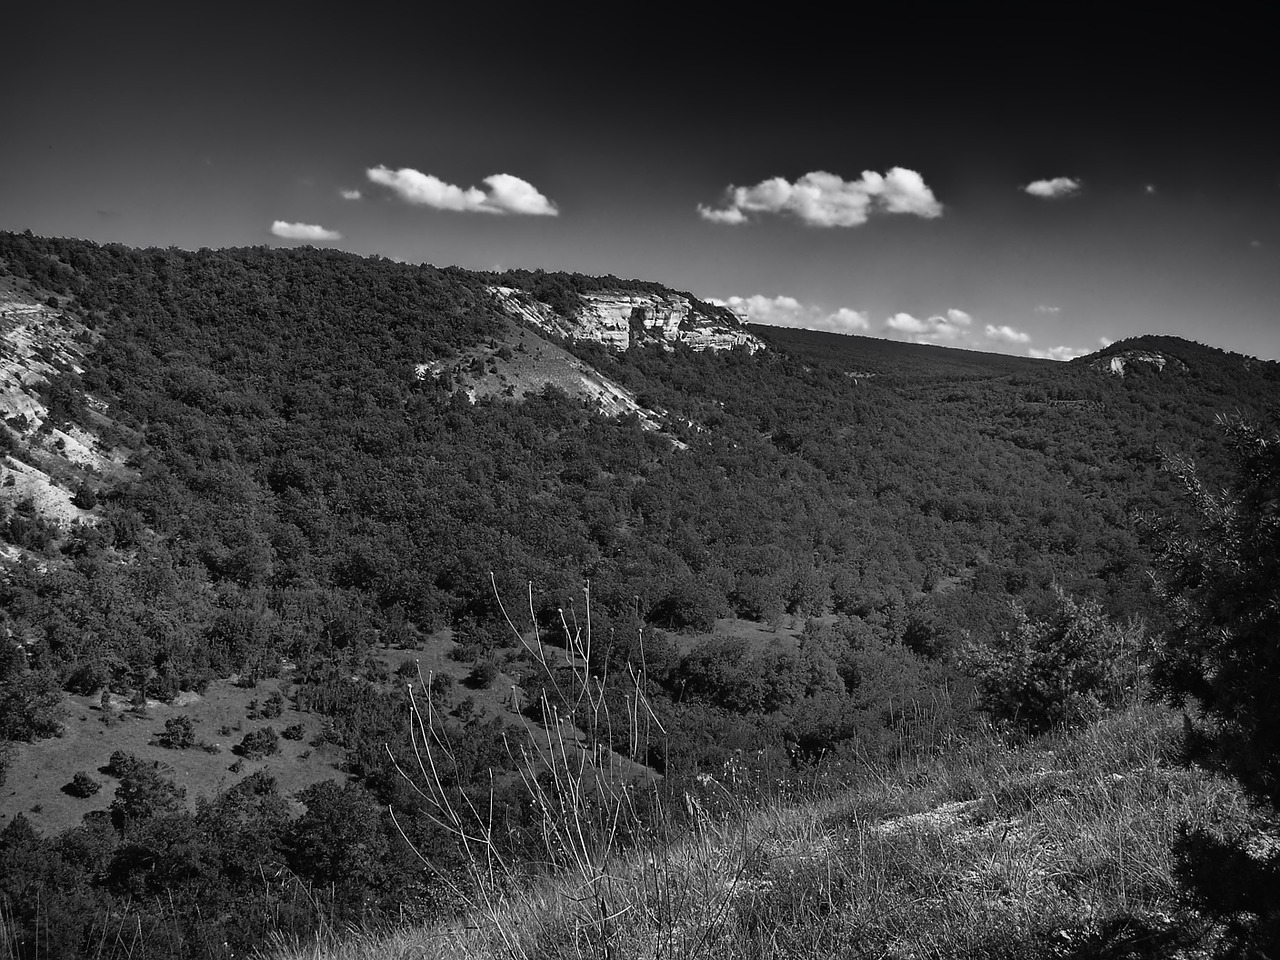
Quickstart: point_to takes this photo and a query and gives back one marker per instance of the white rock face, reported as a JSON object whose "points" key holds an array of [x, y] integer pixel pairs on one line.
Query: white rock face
{"points": [[35, 341], [1118, 363], [606, 317]]}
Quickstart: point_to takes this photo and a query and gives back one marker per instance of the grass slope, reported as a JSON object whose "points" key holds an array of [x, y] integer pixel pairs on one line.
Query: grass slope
{"points": [[1059, 848], [40, 770]]}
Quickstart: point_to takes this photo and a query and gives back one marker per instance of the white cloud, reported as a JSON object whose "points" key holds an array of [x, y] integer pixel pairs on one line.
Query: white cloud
{"points": [[731, 216], [846, 319], [1045, 308], [906, 323], [303, 231], [1105, 341], [938, 328], [506, 194], [1051, 189], [1056, 353], [350, 194], [823, 199], [786, 311], [1006, 334], [1149, 189]]}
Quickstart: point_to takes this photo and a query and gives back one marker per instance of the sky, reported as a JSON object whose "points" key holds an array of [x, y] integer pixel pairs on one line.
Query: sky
{"points": [[1035, 186]]}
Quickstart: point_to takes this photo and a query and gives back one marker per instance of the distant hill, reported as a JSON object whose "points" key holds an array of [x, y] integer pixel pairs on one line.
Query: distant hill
{"points": [[894, 357]]}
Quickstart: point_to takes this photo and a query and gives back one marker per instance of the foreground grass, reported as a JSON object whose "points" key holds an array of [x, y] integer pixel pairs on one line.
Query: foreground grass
{"points": [[1056, 849]]}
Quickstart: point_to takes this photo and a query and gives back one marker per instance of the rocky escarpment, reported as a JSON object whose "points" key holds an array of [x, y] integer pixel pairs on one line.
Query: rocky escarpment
{"points": [[46, 458], [619, 319], [1118, 363]]}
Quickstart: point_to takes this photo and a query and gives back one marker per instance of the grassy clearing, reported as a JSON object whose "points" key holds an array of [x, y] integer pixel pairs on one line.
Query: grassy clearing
{"points": [[1059, 848], [41, 769]]}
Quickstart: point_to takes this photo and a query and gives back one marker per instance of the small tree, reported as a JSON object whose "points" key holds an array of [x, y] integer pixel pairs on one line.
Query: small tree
{"points": [[1059, 671], [1221, 577], [1222, 582], [259, 744], [273, 707], [179, 733], [144, 793]]}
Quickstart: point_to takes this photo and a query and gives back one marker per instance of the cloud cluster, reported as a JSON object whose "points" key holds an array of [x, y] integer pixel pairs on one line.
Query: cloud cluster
{"points": [[506, 194], [823, 199], [303, 231], [1045, 308], [939, 328], [789, 312], [1053, 189], [350, 194], [1006, 334]]}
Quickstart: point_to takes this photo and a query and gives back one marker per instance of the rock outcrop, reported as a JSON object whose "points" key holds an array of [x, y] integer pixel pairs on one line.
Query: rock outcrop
{"points": [[1118, 363], [619, 319]]}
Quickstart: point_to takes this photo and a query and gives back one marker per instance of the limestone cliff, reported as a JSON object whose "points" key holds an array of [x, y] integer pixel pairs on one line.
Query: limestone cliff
{"points": [[618, 319], [1118, 363], [43, 463]]}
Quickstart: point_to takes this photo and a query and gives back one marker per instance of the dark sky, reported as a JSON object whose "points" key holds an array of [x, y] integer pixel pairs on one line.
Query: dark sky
{"points": [[620, 140]]}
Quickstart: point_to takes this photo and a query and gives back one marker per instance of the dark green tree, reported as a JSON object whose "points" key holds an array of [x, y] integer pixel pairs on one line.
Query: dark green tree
{"points": [[1220, 575], [1059, 671], [179, 733], [144, 792], [82, 785]]}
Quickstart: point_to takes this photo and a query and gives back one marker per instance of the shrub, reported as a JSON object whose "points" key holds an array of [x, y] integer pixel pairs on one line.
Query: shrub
{"points": [[86, 498], [1056, 672], [483, 673], [258, 744], [144, 793], [86, 678], [1222, 582], [407, 670], [274, 706], [179, 733], [295, 731], [121, 763], [82, 785]]}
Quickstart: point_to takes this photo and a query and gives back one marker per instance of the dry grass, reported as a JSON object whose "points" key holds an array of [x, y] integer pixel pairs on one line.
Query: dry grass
{"points": [[1055, 849]]}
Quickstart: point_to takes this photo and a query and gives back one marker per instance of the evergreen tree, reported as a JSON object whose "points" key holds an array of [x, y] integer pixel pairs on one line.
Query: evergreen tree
{"points": [[1222, 580]]}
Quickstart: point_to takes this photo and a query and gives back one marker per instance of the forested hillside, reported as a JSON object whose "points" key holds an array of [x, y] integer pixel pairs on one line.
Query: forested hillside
{"points": [[301, 506]]}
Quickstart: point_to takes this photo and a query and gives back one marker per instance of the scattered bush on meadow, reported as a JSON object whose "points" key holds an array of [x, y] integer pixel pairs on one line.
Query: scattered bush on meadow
{"points": [[179, 733], [258, 744], [82, 785]]}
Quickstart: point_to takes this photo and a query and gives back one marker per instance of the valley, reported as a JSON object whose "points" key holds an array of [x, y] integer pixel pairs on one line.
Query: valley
{"points": [[301, 491]]}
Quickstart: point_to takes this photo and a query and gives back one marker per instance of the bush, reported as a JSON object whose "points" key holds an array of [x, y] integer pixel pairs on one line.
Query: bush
{"points": [[295, 731], [121, 764], [1222, 583], [144, 793], [85, 498], [1057, 672], [82, 785], [1221, 579], [179, 733], [87, 678], [483, 673], [407, 670], [274, 706], [259, 744]]}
